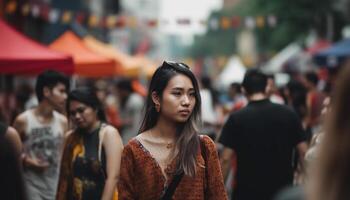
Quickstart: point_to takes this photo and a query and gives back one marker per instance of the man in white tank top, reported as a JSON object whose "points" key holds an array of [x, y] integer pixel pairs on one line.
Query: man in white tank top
{"points": [[42, 132]]}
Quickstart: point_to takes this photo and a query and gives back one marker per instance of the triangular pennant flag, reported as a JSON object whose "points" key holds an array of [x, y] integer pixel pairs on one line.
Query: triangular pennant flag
{"points": [[93, 20], [225, 23], [103, 22], [66, 17], [35, 11], [203, 22], [11, 7], [250, 22], [236, 21], [121, 21], [54, 16], [80, 17], [45, 12], [214, 24], [152, 23], [164, 22], [260, 21], [132, 22], [111, 21], [25, 9], [272, 20], [183, 21]]}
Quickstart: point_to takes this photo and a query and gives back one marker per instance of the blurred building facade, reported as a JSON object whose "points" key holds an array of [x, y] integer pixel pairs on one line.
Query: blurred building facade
{"points": [[230, 3]]}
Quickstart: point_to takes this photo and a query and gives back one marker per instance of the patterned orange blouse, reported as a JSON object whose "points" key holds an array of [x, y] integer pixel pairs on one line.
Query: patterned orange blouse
{"points": [[141, 176]]}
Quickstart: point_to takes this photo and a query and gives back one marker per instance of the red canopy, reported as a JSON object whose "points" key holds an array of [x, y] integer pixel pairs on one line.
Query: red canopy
{"points": [[21, 55]]}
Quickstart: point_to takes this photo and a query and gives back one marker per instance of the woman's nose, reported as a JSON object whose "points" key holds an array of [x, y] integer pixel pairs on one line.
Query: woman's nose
{"points": [[185, 100]]}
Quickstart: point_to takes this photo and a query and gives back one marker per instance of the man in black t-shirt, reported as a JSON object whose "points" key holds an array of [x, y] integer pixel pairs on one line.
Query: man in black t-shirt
{"points": [[263, 136]]}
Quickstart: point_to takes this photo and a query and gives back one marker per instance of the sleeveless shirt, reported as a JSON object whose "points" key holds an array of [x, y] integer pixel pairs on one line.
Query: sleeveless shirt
{"points": [[43, 142]]}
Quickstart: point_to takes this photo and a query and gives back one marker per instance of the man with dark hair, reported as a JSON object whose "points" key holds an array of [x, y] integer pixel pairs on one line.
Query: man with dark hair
{"points": [[254, 82], [47, 81], [42, 132], [263, 136]]}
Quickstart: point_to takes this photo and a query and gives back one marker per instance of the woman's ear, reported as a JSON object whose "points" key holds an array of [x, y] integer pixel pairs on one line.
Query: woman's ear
{"points": [[155, 98]]}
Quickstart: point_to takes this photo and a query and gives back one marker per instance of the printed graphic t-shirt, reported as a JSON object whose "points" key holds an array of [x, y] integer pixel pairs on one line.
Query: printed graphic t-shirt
{"points": [[43, 142]]}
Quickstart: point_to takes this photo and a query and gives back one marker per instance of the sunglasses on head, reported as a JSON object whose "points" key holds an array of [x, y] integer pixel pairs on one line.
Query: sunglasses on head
{"points": [[175, 64]]}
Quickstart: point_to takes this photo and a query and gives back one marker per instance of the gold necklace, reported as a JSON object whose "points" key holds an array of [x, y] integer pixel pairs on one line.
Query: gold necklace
{"points": [[168, 145]]}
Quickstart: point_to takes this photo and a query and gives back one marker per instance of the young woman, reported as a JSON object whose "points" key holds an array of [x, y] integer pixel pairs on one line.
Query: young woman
{"points": [[92, 153], [168, 159]]}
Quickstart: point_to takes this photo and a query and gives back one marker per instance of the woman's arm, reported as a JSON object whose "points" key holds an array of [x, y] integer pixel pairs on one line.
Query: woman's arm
{"points": [[113, 147], [215, 183]]}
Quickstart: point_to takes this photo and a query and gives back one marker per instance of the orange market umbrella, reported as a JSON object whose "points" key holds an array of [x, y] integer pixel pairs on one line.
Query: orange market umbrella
{"points": [[106, 50], [147, 66], [125, 64], [87, 63]]}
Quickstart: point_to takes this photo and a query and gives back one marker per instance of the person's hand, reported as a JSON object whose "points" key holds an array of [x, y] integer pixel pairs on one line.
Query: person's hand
{"points": [[35, 164]]}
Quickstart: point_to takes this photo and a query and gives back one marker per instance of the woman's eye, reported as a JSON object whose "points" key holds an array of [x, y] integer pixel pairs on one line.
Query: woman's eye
{"points": [[176, 93], [192, 94], [80, 110]]}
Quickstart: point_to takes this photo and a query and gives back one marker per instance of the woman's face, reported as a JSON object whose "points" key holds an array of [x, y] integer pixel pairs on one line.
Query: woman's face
{"points": [[178, 99], [82, 115]]}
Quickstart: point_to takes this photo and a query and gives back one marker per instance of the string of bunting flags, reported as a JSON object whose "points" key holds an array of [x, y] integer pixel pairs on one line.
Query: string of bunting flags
{"points": [[54, 16]]}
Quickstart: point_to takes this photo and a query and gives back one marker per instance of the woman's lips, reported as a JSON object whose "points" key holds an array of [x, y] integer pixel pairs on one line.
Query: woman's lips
{"points": [[184, 112]]}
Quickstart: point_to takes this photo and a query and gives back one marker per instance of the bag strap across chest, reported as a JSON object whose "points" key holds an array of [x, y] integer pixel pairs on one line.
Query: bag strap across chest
{"points": [[177, 177]]}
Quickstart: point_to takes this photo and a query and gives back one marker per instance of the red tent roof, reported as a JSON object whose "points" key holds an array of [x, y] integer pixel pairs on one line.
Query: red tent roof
{"points": [[21, 55]]}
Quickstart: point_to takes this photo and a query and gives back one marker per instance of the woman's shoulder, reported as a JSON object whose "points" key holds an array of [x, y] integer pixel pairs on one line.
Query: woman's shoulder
{"points": [[207, 142], [109, 131], [108, 128], [132, 146]]}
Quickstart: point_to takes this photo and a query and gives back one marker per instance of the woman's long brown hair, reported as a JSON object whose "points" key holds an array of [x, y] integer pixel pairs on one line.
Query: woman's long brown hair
{"points": [[331, 177], [187, 140]]}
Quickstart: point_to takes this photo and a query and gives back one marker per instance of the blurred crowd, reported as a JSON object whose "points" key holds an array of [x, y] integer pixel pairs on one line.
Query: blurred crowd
{"points": [[310, 95]]}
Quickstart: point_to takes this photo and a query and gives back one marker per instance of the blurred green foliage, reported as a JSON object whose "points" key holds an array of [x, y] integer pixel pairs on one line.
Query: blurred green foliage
{"points": [[295, 20]]}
